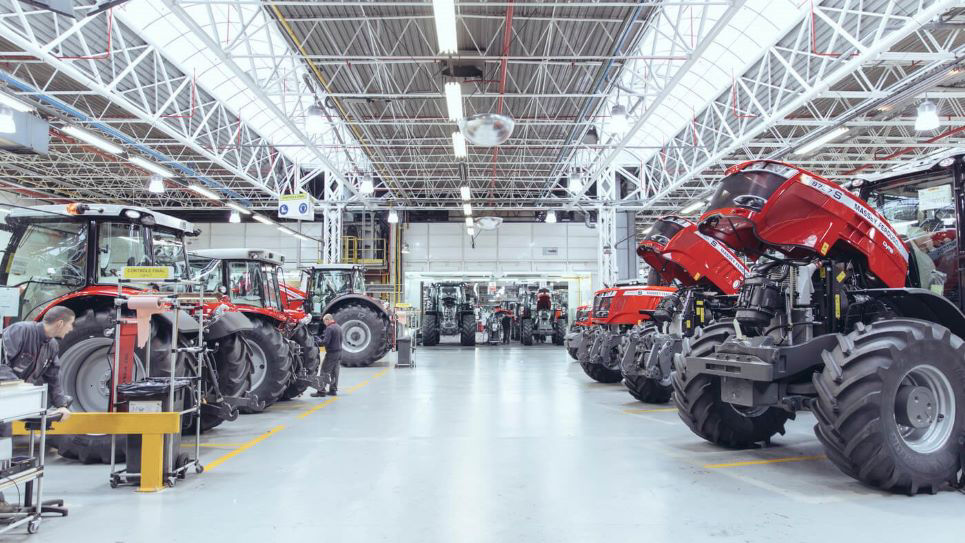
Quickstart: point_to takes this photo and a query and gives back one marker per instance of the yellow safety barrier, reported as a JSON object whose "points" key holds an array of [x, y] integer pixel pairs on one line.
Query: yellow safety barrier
{"points": [[151, 426]]}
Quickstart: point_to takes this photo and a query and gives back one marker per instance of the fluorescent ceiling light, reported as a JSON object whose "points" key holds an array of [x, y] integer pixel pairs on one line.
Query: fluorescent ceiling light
{"points": [[550, 217], [927, 116], [235, 217], [393, 216], [303, 237], [150, 166], [471, 231], [263, 220], [618, 119], [459, 144], [694, 206], [367, 186], [821, 141], [96, 141], [469, 221], [204, 191], [238, 208], [14, 104], [314, 120], [287, 230], [445, 16], [156, 184], [575, 182], [464, 191], [467, 209], [454, 101]]}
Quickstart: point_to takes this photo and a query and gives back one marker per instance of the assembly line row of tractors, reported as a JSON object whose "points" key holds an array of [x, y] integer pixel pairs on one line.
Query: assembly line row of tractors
{"points": [[794, 293], [449, 309], [260, 336]]}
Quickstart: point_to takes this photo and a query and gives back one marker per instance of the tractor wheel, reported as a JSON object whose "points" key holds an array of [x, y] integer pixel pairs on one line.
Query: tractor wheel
{"points": [[597, 372], [467, 330], [698, 402], [647, 390], [526, 332], [430, 330], [574, 353], [271, 365], [363, 334], [309, 362], [559, 333], [231, 360], [891, 405], [85, 373]]}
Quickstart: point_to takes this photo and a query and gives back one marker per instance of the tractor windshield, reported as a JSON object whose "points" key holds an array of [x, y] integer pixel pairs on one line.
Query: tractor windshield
{"points": [[326, 285], [449, 291], [749, 189], [664, 229], [208, 271], [169, 251], [46, 260], [247, 284]]}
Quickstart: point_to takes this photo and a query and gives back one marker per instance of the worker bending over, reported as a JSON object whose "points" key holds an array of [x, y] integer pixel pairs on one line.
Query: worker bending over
{"points": [[30, 353]]}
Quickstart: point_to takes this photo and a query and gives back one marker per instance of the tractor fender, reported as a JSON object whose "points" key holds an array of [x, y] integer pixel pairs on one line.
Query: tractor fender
{"points": [[365, 300], [230, 322], [919, 303], [186, 323]]}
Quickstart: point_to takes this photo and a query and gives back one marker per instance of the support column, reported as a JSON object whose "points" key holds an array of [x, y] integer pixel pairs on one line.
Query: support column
{"points": [[332, 222], [606, 228]]}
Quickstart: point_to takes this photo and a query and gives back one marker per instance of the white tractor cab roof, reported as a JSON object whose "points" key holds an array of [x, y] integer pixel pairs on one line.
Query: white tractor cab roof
{"points": [[106, 211], [942, 158], [261, 255], [331, 267]]}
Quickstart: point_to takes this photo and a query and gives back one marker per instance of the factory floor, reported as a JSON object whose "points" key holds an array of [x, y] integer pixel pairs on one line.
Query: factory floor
{"points": [[506, 444]]}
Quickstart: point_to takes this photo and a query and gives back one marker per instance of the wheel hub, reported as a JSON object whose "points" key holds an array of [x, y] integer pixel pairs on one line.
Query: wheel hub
{"points": [[915, 406]]}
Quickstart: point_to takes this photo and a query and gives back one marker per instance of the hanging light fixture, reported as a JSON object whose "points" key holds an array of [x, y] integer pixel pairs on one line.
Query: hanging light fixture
{"points": [[7, 124], [464, 192], [314, 120], [96, 141], [150, 166], [618, 119], [550, 217], [444, 12], [234, 217], [575, 182], [155, 184], [469, 221], [367, 186], [454, 101], [927, 116], [393, 216], [471, 231], [459, 145], [467, 209]]}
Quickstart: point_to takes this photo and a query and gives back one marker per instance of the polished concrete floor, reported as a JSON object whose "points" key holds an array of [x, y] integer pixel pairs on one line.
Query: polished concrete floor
{"points": [[491, 444]]}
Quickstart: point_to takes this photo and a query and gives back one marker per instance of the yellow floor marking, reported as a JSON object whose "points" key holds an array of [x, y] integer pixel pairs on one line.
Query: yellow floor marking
{"points": [[659, 410], [355, 388], [231, 454], [315, 408], [215, 445], [770, 461]]}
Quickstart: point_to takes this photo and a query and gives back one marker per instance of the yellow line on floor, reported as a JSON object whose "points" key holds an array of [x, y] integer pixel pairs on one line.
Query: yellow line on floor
{"points": [[769, 461], [231, 454], [356, 387], [659, 410], [215, 445], [315, 408]]}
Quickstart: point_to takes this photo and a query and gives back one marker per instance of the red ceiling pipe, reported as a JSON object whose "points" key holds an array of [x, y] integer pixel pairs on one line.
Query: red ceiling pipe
{"points": [[503, 65]]}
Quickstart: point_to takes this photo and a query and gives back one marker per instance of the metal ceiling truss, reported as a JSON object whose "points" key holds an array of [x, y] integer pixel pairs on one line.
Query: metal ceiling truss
{"points": [[852, 57]]}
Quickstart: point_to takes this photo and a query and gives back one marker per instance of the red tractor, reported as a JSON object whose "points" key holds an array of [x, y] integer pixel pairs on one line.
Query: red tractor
{"points": [[709, 275], [840, 316], [616, 311], [285, 356], [74, 255], [575, 334]]}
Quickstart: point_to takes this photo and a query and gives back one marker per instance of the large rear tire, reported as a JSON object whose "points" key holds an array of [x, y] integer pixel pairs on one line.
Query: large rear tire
{"points": [[271, 365], [430, 330], [597, 372], [698, 402], [467, 330], [526, 332], [309, 362], [891, 405], [85, 373], [364, 334]]}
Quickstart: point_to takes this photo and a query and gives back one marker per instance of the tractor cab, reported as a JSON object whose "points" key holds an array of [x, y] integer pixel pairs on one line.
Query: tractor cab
{"points": [[250, 278], [323, 283], [59, 253]]}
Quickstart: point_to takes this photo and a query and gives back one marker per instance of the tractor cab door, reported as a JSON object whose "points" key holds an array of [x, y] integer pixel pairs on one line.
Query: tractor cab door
{"points": [[247, 284], [921, 208]]}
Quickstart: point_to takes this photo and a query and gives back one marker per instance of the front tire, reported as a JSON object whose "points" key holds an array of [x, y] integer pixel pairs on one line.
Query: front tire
{"points": [[559, 332], [526, 332], [597, 372], [430, 330], [309, 362], [467, 330], [271, 364], [364, 335], [891, 405], [698, 402]]}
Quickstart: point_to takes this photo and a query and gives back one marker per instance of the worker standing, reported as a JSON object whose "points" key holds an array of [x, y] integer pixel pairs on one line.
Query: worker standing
{"points": [[30, 353], [332, 339]]}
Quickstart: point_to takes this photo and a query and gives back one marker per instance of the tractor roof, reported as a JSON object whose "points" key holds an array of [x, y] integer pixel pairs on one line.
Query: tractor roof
{"points": [[918, 165], [261, 255], [333, 267], [106, 211]]}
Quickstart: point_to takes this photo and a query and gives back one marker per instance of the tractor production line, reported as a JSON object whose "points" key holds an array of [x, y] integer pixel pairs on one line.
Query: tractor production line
{"points": [[509, 441]]}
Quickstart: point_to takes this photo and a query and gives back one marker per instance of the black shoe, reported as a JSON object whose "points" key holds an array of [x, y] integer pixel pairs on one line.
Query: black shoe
{"points": [[333, 392], [318, 394]]}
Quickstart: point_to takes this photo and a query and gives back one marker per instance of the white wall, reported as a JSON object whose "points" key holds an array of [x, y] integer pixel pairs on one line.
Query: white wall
{"points": [[260, 236]]}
